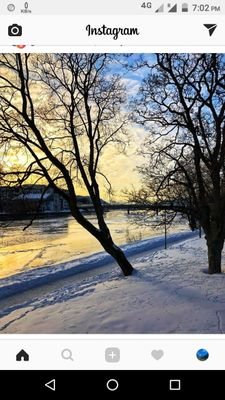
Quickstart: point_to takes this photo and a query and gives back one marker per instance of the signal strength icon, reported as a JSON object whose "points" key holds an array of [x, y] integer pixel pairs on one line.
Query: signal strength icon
{"points": [[160, 9], [173, 9]]}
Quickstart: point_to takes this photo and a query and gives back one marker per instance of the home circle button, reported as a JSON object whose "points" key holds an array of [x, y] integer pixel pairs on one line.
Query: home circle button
{"points": [[112, 385]]}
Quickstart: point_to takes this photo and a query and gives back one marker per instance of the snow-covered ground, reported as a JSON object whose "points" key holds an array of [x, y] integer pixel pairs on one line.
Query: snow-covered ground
{"points": [[170, 292]]}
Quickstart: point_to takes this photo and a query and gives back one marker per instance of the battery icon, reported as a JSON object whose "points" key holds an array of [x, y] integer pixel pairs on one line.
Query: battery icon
{"points": [[185, 7]]}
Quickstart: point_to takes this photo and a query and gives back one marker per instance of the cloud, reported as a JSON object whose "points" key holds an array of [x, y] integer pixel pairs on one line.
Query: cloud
{"points": [[132, 86]]}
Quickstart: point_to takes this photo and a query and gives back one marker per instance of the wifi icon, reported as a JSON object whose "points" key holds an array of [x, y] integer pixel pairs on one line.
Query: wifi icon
{"points": [[211, 28], [160, 9]]}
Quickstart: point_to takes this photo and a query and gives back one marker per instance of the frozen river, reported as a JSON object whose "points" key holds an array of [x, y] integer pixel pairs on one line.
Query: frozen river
{"points": [[52, 241]]}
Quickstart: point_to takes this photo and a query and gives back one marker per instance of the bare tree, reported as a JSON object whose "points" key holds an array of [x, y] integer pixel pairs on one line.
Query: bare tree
{"points": [[182, 104], [62, 111]]}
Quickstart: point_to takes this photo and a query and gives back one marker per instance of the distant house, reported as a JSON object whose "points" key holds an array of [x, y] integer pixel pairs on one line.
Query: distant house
{"points": [[30, 198], [38, 196], [22, 356]]}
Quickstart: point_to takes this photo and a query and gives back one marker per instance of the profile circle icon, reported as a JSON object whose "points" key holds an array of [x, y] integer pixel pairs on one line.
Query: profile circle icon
{"points": [[202, 355]]}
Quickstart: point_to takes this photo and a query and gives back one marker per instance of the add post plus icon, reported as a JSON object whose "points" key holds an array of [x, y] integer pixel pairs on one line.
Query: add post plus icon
{"points": [[211, 28], [112, 355]]}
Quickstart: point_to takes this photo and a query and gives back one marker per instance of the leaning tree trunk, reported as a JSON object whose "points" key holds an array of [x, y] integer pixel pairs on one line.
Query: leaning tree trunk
{"points": [[118, 255], [120, 258], [215, 247], [105, 239]]}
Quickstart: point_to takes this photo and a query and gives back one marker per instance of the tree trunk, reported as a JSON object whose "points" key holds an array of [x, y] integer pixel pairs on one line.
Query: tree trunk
{"points": [[105, 239], [215, 247], [118, 256]]}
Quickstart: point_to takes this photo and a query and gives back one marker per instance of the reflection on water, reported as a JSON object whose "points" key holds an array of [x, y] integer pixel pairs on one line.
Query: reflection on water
{"points": [[52, 241]]}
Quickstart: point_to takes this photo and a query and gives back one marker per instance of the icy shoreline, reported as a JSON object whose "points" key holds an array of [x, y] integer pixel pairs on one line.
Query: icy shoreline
{"points": [[168, 293], [34, 278]]}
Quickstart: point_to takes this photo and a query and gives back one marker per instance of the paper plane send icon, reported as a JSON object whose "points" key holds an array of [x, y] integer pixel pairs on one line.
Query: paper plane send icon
{"points": [[211, 28]]}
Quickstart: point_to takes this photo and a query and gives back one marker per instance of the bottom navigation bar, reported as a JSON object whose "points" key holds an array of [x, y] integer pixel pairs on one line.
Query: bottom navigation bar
{"points": [[105, 382], [112, 353]]}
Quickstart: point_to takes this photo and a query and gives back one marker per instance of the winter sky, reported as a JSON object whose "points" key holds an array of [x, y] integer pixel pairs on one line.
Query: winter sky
{"points": [[119, 167]]}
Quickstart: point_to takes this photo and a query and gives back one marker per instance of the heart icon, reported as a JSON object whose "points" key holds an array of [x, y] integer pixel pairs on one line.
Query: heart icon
{"points": [[157, 354]]}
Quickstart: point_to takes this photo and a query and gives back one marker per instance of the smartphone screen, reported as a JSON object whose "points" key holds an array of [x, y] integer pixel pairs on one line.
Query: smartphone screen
{"points": [[112, 199]]}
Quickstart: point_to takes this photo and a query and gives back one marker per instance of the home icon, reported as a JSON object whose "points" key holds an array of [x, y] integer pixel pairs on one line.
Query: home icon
{"points": [[22, 356]]}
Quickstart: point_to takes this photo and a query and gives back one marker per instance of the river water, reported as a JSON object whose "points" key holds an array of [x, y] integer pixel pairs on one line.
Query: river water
{"points": [[53, 241]]}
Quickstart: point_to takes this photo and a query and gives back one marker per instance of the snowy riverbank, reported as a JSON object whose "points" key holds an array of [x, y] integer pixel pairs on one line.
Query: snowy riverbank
{"points": [[36, 277], [169, 293]]}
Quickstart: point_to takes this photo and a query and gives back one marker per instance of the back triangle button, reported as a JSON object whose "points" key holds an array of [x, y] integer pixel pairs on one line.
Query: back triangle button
{"points": [[50, 385]]}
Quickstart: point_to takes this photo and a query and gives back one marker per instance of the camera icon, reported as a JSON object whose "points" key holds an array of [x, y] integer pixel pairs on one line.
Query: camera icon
{"points": [[15, 30]]}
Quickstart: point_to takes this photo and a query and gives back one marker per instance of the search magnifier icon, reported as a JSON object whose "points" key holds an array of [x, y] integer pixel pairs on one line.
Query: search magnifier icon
{"points": [[67, 354]]}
